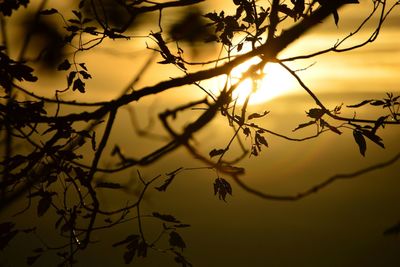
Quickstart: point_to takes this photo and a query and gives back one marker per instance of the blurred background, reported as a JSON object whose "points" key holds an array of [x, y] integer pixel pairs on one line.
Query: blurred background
{"points": [[342, 225]]}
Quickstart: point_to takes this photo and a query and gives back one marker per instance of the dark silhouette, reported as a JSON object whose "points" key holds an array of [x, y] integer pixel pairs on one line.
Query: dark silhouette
{"points": [[52, 158]]}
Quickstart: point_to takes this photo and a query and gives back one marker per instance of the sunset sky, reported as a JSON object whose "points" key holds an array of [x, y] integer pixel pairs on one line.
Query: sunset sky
{"points": [[340, 226]]}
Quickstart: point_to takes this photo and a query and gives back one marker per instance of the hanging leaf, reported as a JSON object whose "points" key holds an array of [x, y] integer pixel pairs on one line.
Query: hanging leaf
{"points": [[44, 204], [222, 188], [360, 140], [78, 84], [129, 255], [176, 240], [142, 249], [379, 122], [71, 77], [65, 65], [182, 260], [246, 131], [373, 137], [261, 140], [85, 75]]}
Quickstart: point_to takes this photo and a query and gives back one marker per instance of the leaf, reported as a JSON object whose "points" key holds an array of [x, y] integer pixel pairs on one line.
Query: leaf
{"points": [[360, 104], [256, 115], [72, 28], [360, 140], [83, 66], [128, 239], [94, 141], [165, 217], [222, 188], [44, 204], [261, 140], [373, 137], [246, 131], [78, 84], [167, 182], [304, 125], [58, 222], [332, 128], [176, 240], [142, 249], [38, 250], [182, 225], [108, 185], [377, 103], [379, 122], [393, 230], [78, 14], [48, 11], [70, 78], [75, 21], [6, 233], [216, 152], [65, 65], [129, 255], [32, 259], [91, 30], [85, 75], [182, 260], [336, 16], [212, 16]]}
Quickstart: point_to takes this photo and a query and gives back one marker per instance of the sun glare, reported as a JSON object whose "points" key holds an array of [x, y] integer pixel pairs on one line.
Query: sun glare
{"points": [[276, 81]]}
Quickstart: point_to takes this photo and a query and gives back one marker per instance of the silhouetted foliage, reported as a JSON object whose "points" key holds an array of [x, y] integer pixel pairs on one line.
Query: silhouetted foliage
{"points": [[44, 155]]}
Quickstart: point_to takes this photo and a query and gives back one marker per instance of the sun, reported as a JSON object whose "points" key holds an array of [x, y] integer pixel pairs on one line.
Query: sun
{"points": [[276, 81]]}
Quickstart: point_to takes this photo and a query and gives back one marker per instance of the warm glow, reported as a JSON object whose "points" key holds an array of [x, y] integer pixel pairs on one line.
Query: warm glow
{"points": [[276, 81]]}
